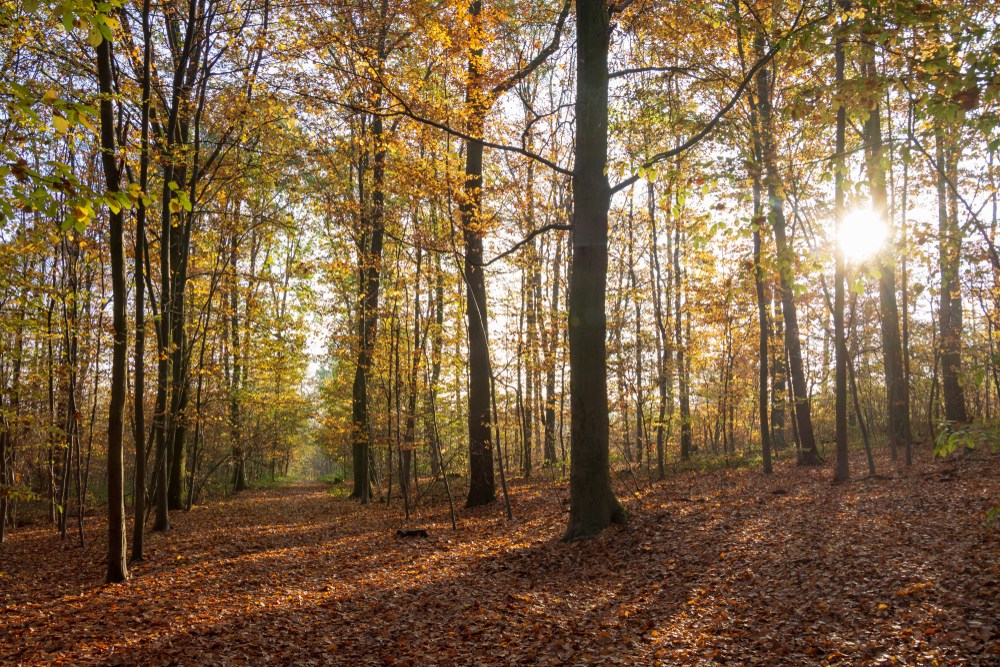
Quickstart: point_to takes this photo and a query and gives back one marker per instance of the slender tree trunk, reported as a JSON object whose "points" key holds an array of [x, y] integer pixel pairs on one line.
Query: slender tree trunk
{"points": [[759, 275], [904, 291], [117, 544], [550, 364], [854, 391], [528, 285], [806, 438], [235, 385], [843, 472], [410, 436], [638, 343], [778, 376], [682, 376], [950, 312], [663, 351], [897, 397], [139, 494]]}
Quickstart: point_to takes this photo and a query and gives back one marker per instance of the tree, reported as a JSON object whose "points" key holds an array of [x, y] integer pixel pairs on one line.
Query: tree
{"points": [[117, 548], [593, 505], [843, 472]]}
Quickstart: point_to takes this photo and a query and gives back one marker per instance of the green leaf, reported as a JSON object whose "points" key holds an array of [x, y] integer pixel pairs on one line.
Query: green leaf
{"points": [[94, 36], [67, 18]]}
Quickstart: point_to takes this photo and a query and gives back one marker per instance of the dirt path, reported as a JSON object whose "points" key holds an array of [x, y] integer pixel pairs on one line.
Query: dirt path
{"points": [[716, 568]]}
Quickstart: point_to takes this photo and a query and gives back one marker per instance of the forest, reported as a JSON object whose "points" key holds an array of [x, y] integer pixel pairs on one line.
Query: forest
{"points": [[499, 331]]}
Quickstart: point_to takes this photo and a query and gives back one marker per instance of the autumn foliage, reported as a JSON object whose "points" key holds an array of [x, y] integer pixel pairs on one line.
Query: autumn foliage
{"points": [[729, 566]]}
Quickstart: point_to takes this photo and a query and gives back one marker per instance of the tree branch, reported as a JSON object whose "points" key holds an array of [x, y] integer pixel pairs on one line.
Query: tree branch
{"points": [[659, 157], [527, 239]]}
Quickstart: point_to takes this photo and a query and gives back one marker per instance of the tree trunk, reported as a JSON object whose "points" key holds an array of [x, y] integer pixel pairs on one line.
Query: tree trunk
{"points": [[950, 312], [550, 363], [758, 274], [482, 487], [139, 493], [235, 418], [663, 353], [843, 472], [806, 438], [593, 505], [897, 394], [682, 377], [117, 544]]}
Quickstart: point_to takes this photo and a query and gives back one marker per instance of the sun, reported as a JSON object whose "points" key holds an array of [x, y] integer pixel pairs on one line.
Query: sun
{"points": [[862, 234]]}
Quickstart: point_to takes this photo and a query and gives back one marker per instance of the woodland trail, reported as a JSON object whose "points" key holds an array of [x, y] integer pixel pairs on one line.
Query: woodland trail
{"points": [[714, 568]]}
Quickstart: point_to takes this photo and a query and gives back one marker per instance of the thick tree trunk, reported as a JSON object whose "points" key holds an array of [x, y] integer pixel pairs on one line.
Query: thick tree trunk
{"points": [[117, 546], [482, 487], [593, 505], [180, 389], [370, 259]]}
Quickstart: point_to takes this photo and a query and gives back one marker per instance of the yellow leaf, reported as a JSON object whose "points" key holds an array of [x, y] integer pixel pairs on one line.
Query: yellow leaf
{"points": [[86, 123], [61, 124], [94, 36], [50, 95]]}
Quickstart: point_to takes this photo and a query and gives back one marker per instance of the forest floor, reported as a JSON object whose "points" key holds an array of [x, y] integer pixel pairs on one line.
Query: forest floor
{"points": [[728, 567]]}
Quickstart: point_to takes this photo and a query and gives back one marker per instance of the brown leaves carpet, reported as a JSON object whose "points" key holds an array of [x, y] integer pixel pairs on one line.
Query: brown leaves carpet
{"points": [[714, 568]]}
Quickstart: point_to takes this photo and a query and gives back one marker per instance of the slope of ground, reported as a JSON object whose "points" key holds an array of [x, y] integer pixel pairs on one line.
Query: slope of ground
{"points": [[729, 567]]}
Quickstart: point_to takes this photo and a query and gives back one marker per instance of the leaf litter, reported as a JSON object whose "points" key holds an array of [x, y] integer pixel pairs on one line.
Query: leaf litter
{"points": [[714, 568]]}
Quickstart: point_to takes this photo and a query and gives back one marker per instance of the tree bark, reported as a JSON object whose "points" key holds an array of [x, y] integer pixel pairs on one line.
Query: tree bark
{"points": [[593, 505], [950, 312], [807, 440], [664, 349], [139, 494], [843, 472], [682, 376], [550, 355], [117, 545], [897, 395], [758, 272], [482, 486]]}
